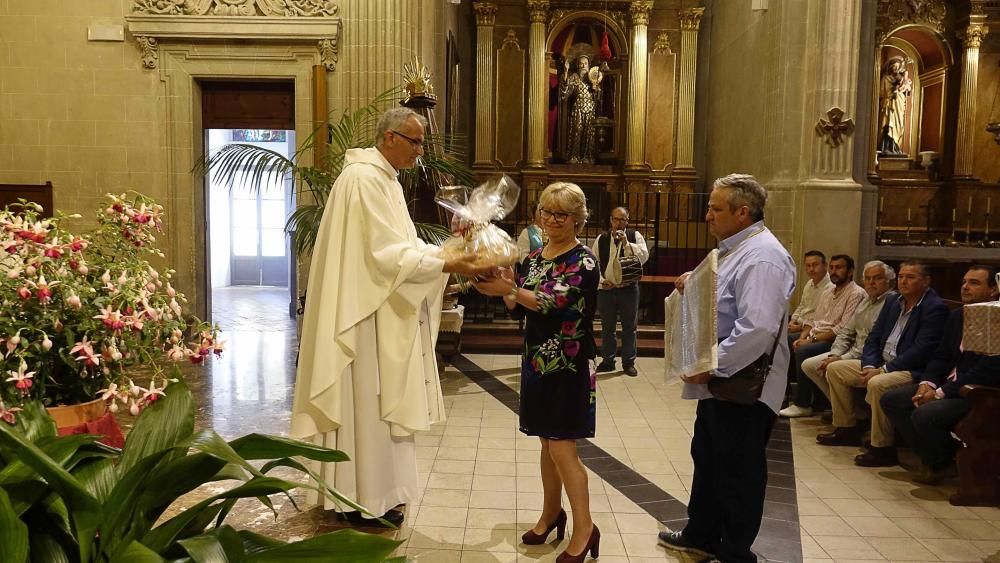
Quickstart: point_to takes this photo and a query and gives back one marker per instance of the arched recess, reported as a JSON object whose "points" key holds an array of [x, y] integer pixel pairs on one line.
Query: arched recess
{"points": [[566, 33], [929, 60]]}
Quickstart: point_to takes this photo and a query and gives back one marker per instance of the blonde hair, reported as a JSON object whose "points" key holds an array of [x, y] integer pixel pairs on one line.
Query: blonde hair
{"points": [[567, 197]]}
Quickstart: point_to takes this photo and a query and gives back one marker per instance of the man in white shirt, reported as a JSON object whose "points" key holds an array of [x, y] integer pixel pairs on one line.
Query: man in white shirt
{"points": [[819, 279], [616, 302]]}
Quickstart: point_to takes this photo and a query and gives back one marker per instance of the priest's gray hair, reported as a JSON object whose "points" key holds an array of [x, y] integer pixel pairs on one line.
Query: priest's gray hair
{"points": [[745, 190], [890, 274], [393, 119], [568, 198]]}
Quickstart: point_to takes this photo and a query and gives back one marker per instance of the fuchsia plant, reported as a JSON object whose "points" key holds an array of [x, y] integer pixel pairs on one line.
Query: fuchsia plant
{"points": [[83, 313]]}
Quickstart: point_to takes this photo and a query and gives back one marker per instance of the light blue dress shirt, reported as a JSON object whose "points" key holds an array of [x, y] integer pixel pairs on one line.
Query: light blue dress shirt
{"points": [[756, 279]]}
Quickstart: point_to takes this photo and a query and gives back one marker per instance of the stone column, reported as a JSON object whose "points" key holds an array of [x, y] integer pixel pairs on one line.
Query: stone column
{"points": [[635, 141], [485, 16], [971, 38], [537, 83], [690, 23]]}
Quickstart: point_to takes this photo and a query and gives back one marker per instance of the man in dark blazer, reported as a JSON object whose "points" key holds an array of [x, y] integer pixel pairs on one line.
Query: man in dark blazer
{"points": [[925, 412], [901, 342]]}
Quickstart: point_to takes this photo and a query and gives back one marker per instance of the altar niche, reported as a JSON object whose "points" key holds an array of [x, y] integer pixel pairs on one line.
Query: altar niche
{"points": [[585, 78]]}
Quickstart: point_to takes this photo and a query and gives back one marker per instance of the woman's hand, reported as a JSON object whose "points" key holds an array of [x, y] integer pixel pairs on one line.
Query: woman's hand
{"points": [[495, 286]]}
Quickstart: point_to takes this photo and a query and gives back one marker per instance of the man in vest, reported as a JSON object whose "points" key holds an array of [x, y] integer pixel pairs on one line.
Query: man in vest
{"points": [[618, 302]]}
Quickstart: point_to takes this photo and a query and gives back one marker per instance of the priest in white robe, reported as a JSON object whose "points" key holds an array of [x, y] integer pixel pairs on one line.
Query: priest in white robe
{"points": [[367, 375]]}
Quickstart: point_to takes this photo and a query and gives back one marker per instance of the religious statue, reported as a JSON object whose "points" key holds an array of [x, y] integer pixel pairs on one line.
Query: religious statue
{"points": [[895, 85], [582, 87]]}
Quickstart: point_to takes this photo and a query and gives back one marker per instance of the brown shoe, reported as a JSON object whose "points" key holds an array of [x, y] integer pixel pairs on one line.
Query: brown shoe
{"points": [[841, 436], [877, 457]]}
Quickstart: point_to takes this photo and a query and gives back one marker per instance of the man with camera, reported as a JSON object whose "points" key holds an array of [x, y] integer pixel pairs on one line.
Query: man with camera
{"points": [[621, 252]]}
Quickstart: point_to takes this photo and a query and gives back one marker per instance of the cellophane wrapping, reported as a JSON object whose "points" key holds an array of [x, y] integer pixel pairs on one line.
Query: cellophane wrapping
{"points": [[476, 210]]}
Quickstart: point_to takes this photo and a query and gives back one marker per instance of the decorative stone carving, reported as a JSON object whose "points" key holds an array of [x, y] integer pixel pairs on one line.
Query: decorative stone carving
{"points": [[537, 10], [834, 127], [300, 8], [930, 12], [150, 51], [662, 45], [510, 41], [619, 16], [328, 53], [972, 37], [639, 10], [691, 18], [486, 12]]}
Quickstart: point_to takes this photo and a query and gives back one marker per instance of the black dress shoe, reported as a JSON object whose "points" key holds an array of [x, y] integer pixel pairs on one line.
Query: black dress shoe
{"points": [[393, 517], [630, 371], [605, 367], [841, 436], [877, 457]]}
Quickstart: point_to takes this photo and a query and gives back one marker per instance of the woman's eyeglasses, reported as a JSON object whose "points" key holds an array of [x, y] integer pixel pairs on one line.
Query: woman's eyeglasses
{"points": [[557, 217]]}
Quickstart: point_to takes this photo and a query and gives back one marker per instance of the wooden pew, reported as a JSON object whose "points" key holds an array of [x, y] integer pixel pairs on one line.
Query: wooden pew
{"points": [[979, 457], [38, 193]]}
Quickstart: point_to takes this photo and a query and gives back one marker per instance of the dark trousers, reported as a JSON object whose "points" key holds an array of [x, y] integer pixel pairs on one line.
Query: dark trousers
{"points": [[620, 303], [926, 428], [805, 390], [730, 477]]}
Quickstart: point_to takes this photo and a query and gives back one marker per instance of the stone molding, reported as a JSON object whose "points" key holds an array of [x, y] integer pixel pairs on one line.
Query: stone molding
{"points": [[899, 12], [691, 18], [972, 37], [151, 30], [538, 10], [280, 8], [510, 41]]}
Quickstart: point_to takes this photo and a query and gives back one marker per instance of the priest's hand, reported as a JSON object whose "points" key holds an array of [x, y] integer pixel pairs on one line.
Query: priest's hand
{"points": [[467, 265], [698, 378]]}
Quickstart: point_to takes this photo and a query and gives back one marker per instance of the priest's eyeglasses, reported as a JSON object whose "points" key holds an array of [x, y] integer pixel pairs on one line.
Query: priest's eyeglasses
{"points": [[419, 144], [557, 217]]}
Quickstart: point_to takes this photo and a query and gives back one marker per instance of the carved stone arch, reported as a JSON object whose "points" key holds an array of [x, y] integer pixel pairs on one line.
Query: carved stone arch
{"points": [[946, 48]]}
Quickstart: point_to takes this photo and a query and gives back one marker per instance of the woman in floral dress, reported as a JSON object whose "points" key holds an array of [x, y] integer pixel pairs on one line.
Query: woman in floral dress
{"points": [[556, 292]]}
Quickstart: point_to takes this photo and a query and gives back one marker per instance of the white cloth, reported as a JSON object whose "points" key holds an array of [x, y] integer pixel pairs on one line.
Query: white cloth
{"points": [[638, 248], [367, 377], [810, 295], [690, 341]]}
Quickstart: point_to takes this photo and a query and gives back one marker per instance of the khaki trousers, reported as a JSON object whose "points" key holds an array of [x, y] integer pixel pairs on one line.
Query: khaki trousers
{"points": [[810, 367], [843, 377]]}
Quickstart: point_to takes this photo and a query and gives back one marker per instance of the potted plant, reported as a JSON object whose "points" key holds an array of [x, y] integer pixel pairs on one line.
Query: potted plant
{"points": [[85, 312], [71, 499]]}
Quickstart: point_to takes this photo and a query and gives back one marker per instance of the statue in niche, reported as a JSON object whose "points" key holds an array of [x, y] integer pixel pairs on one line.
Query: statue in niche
{"points": [[894, 87], [581, 88]]}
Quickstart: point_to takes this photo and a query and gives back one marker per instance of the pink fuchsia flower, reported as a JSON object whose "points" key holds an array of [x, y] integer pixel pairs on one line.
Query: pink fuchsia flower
{"points": [[152, 394], [46, 344], [111, 318], [44, 291], [78, 244], [175, 354], [110, 392], [74, 301], [14, 272], [53, 251], [13, 342], [86, 350], [7, 415], [24, 293], [22, 378]]}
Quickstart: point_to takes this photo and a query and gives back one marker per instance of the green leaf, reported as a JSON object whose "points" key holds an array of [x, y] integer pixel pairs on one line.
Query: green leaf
{"points": [[84, 508], [205, 549], [59, 449], [135, 552], [343, 546], [98, 477], [261, 446], [34, 422], [45, 548], [14, 547], [254, 543], [164, 424]]}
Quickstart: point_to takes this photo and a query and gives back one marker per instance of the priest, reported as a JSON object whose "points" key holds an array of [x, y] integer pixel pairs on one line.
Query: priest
{"points": [[367, 376]]}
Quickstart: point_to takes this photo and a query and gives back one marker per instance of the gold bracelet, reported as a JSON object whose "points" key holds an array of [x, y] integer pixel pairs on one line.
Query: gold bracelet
{"points": [[513, 292]]}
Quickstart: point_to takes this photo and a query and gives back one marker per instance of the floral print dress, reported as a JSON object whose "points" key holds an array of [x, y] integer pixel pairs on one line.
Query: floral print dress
{"points": [[558, 393]]}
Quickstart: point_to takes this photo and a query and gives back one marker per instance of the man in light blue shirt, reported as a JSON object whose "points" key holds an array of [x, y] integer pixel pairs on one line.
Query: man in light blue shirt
{"points": [[756, 279]]}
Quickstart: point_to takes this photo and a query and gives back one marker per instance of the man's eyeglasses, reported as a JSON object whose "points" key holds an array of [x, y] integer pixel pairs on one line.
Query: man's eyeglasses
{"points": [[557, 217], [416, 143]]}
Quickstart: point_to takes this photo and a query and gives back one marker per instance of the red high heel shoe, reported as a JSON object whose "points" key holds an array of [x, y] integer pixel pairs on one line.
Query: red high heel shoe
{"points": [[531, 538], [593, 546]]}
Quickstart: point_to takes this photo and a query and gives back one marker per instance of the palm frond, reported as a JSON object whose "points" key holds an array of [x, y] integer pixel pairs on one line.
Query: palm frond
{"points": [[249, 165], [432, 233], [303, 225]]}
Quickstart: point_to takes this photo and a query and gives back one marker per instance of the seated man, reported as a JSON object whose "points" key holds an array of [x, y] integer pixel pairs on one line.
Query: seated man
{"points": [[878, 278], [925, 413], [834, 309], [904, 336], [815, 267]]}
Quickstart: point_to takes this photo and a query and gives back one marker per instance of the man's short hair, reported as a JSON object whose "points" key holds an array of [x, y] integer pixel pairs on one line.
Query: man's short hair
{"points": [[918, 265], [991, 273], [890, 274], [393, 119], [845, 258], [745, 190], [822, 256], [624, 210]]}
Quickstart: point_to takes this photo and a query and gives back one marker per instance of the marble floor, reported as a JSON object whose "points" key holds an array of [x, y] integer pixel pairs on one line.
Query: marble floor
{"points": [[479, 477]]}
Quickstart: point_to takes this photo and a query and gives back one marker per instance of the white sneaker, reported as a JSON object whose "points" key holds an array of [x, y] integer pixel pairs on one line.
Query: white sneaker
{"points": [[795, 411]]}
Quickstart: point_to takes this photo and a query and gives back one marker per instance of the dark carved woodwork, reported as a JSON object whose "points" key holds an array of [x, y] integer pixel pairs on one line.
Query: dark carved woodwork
{"points": [[36, 193], [979, 458], [248, 105]]}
